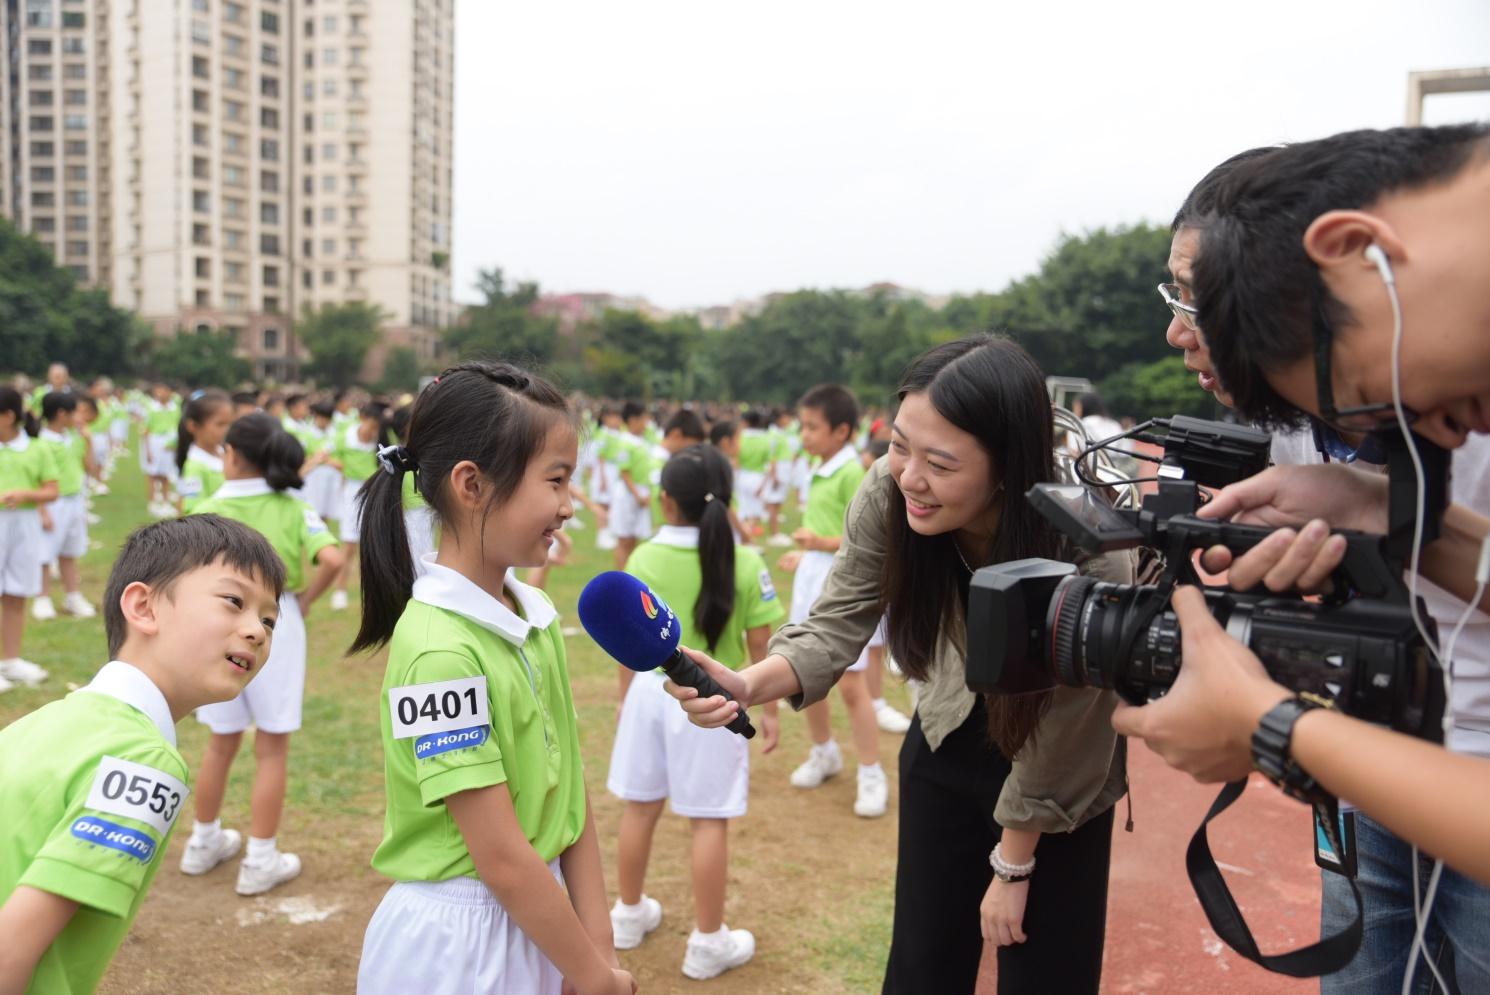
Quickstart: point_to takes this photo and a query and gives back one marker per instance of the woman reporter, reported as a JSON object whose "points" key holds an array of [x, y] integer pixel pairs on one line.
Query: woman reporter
{"points": [[972, 435]]}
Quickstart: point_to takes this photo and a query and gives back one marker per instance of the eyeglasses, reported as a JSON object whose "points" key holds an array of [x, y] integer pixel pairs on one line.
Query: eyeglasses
{"points": [[1185, 312], [1361, 417]]}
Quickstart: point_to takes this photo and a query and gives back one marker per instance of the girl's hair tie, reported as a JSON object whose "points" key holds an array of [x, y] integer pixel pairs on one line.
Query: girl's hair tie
{"points": [[396, 460]]}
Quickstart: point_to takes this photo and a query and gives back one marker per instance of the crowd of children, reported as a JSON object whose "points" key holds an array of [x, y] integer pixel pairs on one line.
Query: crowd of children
{"points": [[489, 837]]}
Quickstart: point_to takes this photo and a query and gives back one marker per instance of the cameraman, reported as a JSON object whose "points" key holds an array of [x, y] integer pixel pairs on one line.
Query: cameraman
{"points": [[1036, 774], [1309, 213], [1386, 877]]}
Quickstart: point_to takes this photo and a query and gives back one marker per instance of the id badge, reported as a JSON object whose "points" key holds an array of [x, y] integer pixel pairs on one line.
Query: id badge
{"points": [[1325, 854]]}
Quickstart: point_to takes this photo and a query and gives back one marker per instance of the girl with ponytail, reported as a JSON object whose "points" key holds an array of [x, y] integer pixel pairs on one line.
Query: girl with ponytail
{"points": [[205, 418], [724, 599], [488, 834], [261, 461]]}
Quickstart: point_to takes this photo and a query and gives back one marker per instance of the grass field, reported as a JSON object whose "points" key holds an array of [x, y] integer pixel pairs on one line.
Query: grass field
{"points": [[810, 879]]}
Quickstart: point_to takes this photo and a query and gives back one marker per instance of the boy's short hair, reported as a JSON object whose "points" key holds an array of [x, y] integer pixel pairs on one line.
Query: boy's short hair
{"points": [[688, 423], [632, 409], [722, 430], [58, 402], [835, 401], [159, 553]]}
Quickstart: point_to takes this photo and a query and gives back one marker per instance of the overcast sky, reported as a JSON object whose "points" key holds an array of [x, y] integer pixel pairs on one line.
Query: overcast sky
{"points": [[696, 152]]}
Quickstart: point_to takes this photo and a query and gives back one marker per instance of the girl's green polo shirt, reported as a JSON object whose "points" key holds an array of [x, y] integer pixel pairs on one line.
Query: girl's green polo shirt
{"points": [[359, 460], [292, 527], [474, 696], [67, 450], [831, 491], [201, 476], [755, 450], [91, 787], [26, 464], [669, 564], [161, 419]]}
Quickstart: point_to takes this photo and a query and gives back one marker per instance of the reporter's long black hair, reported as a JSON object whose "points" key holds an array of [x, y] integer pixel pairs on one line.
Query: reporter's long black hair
{"points": [[992, 389], [198, 408], [699, 479], [493, 414], [262, 440]]}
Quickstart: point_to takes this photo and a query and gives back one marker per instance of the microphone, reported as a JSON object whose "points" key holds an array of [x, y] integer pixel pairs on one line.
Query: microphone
{"points": [[640, 631]]}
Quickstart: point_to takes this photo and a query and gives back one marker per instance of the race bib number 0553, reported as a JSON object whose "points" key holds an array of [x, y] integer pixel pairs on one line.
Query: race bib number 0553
{"points": [[123, 787], [440, 706]]}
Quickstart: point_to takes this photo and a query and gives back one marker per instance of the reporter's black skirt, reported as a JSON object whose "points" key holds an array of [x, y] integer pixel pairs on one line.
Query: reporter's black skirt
{"points": [[941, 874]]}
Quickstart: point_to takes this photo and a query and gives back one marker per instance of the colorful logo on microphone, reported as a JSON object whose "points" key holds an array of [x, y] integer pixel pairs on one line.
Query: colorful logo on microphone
{"points": [[649, 605]]}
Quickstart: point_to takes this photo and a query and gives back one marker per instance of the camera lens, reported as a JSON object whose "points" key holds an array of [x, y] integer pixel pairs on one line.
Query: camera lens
{"points": [[1088, 623]]}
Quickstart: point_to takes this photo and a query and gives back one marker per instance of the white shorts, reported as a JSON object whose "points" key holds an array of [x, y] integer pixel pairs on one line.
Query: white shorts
{"points": [[659, 754], [102, 448], [20, 552], [747, 502], [877, 640], [272, 700], [420, 524], [451, 938], [629, 518], [69, 533], [119, 432], [322, 491], [807, 585], [158, 456], [775, 493], [348, 520]]}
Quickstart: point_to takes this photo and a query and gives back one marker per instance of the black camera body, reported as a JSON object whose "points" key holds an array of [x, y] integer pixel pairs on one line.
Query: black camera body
{"points": [[1036, 624]]}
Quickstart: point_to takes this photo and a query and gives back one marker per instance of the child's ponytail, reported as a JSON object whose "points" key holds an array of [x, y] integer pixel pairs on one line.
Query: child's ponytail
{"points": [[262, 441], [699, 480], [492, 414]]}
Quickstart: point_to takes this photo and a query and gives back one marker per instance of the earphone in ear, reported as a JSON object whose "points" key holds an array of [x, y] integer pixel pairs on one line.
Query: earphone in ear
{"points": [[1378, 255]]}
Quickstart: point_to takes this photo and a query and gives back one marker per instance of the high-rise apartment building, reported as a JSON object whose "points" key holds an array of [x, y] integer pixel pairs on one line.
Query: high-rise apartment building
{"points": [[54, 156], [227, 163]]}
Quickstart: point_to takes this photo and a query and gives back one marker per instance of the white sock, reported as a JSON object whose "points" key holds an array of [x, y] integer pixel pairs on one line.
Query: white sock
{"points": [[260, 851], [638, 905], [871, 770], [206, 830], [825, 749], [877, 703]]}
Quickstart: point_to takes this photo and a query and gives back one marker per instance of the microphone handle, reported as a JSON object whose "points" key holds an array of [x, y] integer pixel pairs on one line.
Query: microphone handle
{"points": [[681, 670]]}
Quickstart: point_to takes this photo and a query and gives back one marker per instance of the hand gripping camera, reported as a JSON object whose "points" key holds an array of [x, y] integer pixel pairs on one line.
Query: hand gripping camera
{"points": [[1034, 624]]}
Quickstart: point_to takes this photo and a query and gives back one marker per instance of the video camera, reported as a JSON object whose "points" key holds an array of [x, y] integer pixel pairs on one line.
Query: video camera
{"points": [[1035, 624]]}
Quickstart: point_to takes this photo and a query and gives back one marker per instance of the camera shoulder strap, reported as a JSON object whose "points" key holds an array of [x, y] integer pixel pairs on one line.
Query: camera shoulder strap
{"points": [[1330, 954]]}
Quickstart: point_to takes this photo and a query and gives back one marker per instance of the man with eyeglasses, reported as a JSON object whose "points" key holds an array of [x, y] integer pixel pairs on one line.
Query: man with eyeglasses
{"points": [[1282, 260]]}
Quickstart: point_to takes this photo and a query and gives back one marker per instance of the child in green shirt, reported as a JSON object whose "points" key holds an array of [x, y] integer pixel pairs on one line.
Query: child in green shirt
{"points": [[204, 422], [91, 785], [64, 522], [28, 478]]}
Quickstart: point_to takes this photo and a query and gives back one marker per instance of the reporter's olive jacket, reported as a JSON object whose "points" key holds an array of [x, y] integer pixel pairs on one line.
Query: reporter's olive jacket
{"points": [[1075, 766]]}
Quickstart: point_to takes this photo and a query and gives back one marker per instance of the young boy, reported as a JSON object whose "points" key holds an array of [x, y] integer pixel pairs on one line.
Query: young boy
{"points": [[828, 414], [92, 784], [65, 520], [631, 492], [158, 448]]}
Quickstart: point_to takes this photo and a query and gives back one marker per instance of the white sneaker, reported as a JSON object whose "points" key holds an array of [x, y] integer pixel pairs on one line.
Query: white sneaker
{"points": [[100, 488], [575, 525], [779, 539], [17, 671], [93, 519], [256, 879], [891, 719], [338, 601], [629, 925], [711, 954], [42, 609], [605, 539], [201, 855], [874, 793], [822, 763], [77, 606]]}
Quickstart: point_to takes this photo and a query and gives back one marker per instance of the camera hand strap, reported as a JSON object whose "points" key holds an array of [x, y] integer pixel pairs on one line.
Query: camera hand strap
{"points": [[1330, 954]]}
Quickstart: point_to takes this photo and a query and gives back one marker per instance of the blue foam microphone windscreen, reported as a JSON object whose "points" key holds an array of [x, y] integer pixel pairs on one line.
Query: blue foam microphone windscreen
{"points": [[640, 631]]}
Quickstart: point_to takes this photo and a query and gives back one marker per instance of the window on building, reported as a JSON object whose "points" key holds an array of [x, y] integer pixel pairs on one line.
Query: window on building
{"points": [[43, 150], [203, 268], [268, 117], [43, 174], [234, 45], [307, 249], [269, 150], [201, 168], [235, 111], [73, 19], [328, 277], [269, 86], [328, 214], [271, 305], [43, 224], [233, 79], [232, 272], [77, 222], [330, 121], [77, 198], [271, 340], [328, 87], [328, 246], [75, 146], [310, 184], [328, 150], [77, 248], [200, 102], [201, 235], [76, 174], [201, 32], [309, 89], [269, 244], [354, 248], [328, 183], [233, 302], [75, 70], [75, 122], [40, 98], [310, 59], [354, 278], [201, 202], [43, 198], [271, 276], [79, 273], [310, 27], [234, 176], [39, 72], [269, 22], [204, 300], [269, 213], [307, 216], [75, 98], [234, 239], [234, 207], [269, 181], [233, 12], [201, 135], [307, 279], [328, 24], [39, 46], [269, 54], [200, 67], [73, 46], [233, 143], [309, 155], [328, 57]]}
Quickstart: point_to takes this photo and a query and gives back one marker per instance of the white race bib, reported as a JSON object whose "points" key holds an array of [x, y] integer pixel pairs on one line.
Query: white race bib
{"points": [[440, 706], [123, 787]]}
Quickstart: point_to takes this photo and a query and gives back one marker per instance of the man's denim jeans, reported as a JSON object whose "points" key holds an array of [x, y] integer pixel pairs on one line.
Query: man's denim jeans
{"points": [[1458, 933]]}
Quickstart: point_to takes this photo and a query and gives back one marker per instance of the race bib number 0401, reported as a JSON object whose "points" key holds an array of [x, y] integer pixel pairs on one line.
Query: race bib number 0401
{"points": [[440, 706], [123, 787]]}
